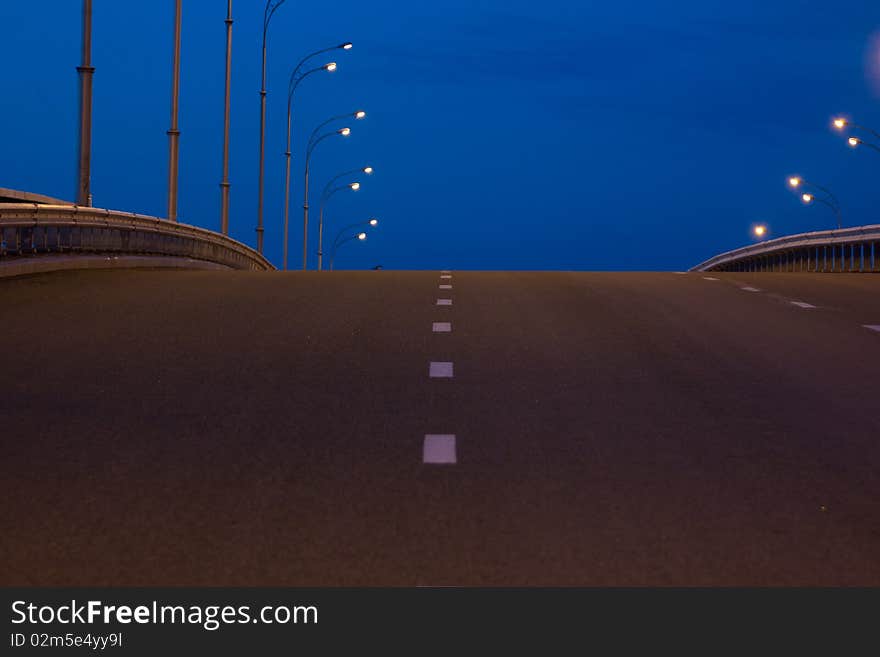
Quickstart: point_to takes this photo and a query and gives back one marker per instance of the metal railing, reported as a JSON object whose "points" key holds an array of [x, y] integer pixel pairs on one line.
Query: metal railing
{"points": [[846, 250], [31, 229]]}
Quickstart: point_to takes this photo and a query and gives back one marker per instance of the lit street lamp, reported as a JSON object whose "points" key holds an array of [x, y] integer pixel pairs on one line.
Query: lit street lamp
{"points": [[360, 236], [355, 186], [760, 231], [809, 198], [271, 7], [336, 243], [841, 123], [855, 142], [314, 140], [291, 88], [326, 194]]}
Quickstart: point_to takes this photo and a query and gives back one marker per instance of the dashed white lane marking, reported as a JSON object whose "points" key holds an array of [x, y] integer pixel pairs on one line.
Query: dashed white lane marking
{"points": [[445, 271], [872, 327], [750, 289], [709, 278], [445, 287], [445, 276], [801, 304], [439, 449], [444, 302], [442, 327], [680, 273], [440, 370]]}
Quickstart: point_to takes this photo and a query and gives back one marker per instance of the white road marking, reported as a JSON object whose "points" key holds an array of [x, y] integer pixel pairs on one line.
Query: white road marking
{"points": [[439, 449], [445, 271], [680, 273], [444, 302], [750, 289], [442, 327], [445, 276], [801, 304], [872, 327], [445, 287], [440, 370], [709, 278]]}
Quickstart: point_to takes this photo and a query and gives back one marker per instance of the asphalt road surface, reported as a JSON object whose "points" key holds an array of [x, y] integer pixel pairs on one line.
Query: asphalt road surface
{"points": [[598, 429]]}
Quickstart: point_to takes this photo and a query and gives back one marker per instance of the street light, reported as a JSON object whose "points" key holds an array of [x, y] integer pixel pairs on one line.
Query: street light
{"points": [[373, 222], [271, 7], [760, 231], [360, 236], [808, 198], [86, 74], [325, 196], [295, 79], [855, 142], [314, 140], [224, 183], [173, 131], [841, 123], [368, 170]]}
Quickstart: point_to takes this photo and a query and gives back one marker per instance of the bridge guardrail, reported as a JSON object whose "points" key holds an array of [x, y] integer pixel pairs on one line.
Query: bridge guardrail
{"points": [[31, 229], [814, 251]]}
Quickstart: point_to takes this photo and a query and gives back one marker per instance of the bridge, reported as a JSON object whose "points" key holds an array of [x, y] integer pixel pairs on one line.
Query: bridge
{"points": [[242, 426]]}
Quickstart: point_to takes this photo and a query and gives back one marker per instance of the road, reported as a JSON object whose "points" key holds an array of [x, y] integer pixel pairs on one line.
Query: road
{"points": [[610, 429]]}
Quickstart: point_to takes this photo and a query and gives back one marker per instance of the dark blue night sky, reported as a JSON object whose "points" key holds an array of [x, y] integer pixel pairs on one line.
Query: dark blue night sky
{"points": [[634, 135]]}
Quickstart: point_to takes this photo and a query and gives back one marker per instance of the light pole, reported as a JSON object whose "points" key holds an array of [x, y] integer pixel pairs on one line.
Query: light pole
{"points": [[355, 186], [855, 142], [359, 236], [173, 132], [314, 140], [841, 123], [291, 88], [271, 8], [224, 183], [86, 74], [369, 222], [796, 181]]}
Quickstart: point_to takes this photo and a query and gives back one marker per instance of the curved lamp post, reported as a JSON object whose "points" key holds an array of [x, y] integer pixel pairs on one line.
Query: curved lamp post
{"points": [[325, 196], [291, 88], [841, 124], [337, 243], [271, 7], [854, 142], [314, 140], [796, 182], [808, 198], [86, 74], [360, 236], [224, 182]]}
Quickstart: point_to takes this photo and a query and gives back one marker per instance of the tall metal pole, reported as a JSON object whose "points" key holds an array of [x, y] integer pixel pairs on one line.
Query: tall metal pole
{"points": [[174, 133], [287, 181], [86, 74], [224, 184], [306, 212]]}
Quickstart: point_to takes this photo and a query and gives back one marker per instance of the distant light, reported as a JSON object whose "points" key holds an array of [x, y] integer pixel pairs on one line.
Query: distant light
{"points": [[360, 114], [794, 181], [355, 186], [331, 66], [854, 141], [345, 132], [760, 230], [374, 222], [368, 171], [362, 236], [807, 198], [840, 124], [346, 46]]}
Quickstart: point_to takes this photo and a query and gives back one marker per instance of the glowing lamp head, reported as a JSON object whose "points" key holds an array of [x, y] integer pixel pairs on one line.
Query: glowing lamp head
{"points": [[854, 141], [362, 236], [346, 46], [794, 182], [807, 198], [330, 67], [368, 170], [360, 114], [840, 124], [345, 132], [374, 222], [760, 231], [355, 186]]}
